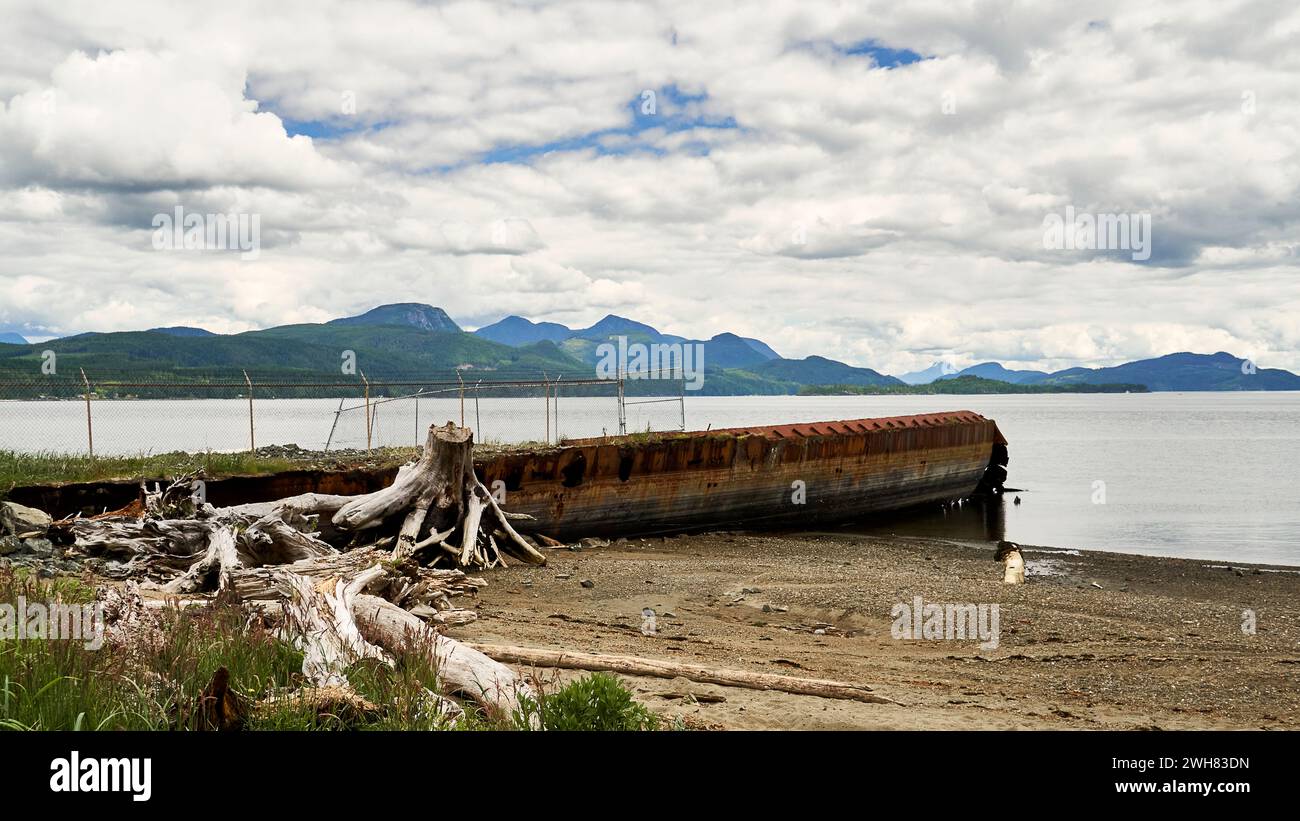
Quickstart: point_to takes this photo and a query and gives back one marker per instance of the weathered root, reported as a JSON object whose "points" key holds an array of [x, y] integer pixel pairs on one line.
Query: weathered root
{"points": [[341, 577], [212, 571], [438, 495]]}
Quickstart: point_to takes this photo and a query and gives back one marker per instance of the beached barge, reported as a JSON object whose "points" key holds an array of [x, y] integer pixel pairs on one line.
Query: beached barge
{"points": [[774, 476]]}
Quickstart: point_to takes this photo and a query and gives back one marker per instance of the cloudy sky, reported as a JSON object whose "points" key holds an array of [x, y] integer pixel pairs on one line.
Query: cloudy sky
{"points": [[868, 181]]}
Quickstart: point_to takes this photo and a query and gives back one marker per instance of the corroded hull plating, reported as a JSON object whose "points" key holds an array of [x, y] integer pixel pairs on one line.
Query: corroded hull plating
{"points": [[750, 477]]}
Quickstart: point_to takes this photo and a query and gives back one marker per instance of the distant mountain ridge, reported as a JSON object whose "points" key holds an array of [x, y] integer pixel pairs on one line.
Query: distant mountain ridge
{"points": [[409, 339], [993, 370], [181, 330], [516, 331], [12, 339], [724, 350], [414, 314], [1181, 371]]}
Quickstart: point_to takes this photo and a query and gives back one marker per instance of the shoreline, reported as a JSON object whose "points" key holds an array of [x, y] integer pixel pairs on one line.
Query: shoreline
{"points": [[1103, 641]]}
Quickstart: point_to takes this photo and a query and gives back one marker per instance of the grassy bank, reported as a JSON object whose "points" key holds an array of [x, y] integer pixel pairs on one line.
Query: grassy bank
{"points": [[18, 469]]}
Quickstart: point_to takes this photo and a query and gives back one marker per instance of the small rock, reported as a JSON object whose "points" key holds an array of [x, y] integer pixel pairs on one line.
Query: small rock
{"points": [[748, 590], [10, 544], [670, 615], [23, 521], [1099, 587], [587, 583], [767, 608], [819, 632], [563, 576], [592, 542], [41, 547]]}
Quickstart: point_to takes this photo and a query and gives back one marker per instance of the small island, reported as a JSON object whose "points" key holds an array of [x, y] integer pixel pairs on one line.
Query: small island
{"points": [[967, 385]]}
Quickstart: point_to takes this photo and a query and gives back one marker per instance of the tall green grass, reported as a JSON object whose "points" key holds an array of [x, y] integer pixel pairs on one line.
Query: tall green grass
{"points": [[150, 681]]}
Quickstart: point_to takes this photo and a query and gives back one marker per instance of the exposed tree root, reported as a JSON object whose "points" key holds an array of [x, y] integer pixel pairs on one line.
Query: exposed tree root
{"points": [[343, 578]]}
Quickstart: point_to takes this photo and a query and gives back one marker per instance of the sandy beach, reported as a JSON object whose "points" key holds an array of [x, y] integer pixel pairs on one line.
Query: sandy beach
{"points": [[1092, 640]]}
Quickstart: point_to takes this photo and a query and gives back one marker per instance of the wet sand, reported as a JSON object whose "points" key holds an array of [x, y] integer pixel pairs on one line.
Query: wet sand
{"points": [[1091, 641]]}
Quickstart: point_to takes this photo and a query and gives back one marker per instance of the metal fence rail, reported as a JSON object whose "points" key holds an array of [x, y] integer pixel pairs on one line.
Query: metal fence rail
{"points": [[124, 414]]}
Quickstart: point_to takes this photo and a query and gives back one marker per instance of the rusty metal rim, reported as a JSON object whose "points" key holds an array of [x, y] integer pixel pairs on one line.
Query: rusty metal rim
{"points": [[806, 430]]}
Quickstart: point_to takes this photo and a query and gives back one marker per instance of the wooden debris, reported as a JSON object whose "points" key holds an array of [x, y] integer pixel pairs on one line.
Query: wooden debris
{"points": [[631, 666]]}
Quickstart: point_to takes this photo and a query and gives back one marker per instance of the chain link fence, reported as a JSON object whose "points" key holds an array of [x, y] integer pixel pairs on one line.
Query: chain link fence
{"points": [[114, 415]]}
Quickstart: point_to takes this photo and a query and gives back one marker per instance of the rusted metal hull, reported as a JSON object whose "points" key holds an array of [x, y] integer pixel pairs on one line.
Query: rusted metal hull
{"points": [[779, 476]]}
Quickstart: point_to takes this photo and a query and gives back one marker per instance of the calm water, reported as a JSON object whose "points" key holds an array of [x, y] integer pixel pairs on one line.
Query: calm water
{"points": [[1202, 475]]}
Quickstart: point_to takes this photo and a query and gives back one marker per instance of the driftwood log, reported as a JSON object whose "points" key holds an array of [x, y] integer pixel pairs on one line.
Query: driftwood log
{"points": [[628, 665]]}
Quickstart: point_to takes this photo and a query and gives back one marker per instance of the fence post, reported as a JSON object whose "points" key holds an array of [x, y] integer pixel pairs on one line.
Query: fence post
{"points": [[682, 397], [90, 431], [462, 398], [622, 408], [478, 421], [367, 381], [252, 442], [546, 395], [330, 438]]}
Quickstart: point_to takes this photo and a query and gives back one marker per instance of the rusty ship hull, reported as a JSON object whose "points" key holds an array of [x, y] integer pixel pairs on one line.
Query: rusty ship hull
{"points": [[639, 485], [759, 477]]}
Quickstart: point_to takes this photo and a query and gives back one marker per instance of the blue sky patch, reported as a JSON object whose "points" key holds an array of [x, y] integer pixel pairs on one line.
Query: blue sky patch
{"points": [[884, 56], [670, 109]]}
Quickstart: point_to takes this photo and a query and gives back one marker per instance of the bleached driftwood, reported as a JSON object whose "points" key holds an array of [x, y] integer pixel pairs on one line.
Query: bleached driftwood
{"points": [[655, 668], [344, 578], [461, 668], [323, 612]]}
